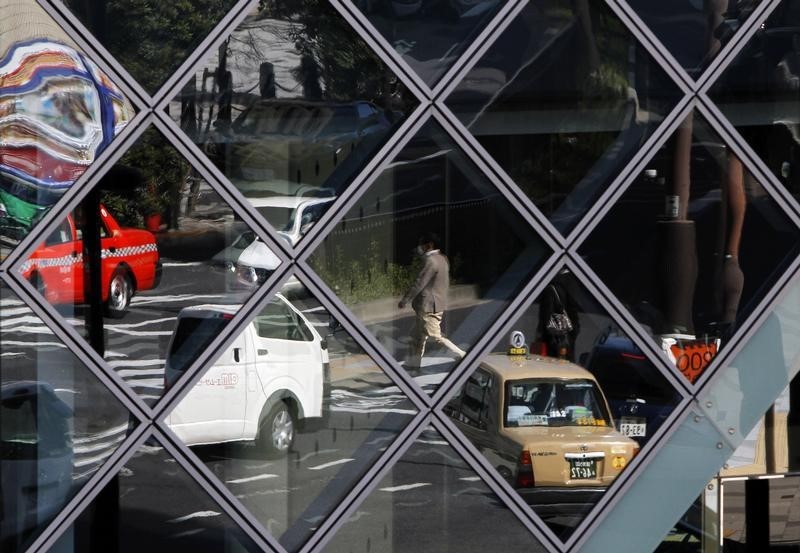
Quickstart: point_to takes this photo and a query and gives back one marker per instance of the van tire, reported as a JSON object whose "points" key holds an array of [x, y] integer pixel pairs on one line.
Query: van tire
{"points": [[277, 430]]}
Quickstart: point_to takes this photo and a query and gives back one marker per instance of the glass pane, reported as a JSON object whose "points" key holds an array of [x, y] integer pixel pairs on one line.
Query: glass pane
{"points": [[291, 416], [562, 101], [152, 504], [461, 513], [58, 424], [167, 244], [694, 31], [58, 112], [430, 36], [691, 231], [434, 233], [563, 405], [290, 109], [758, 94], [150, 39]]}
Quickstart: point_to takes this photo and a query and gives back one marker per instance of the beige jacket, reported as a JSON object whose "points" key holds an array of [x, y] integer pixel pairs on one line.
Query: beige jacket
{"points": [[429, 292]]}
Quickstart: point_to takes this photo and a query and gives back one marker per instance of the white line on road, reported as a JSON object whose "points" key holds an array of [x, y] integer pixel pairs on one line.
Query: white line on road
{"points": [[251, 478], [405, 487], [141, 300], [432, 442], [332, 463], [136, 363], [33, 344], [187, 533], [182, 264], [198, 514], [142, 323], [354, 410], [470, 478], [313, 309], [315, 453]]}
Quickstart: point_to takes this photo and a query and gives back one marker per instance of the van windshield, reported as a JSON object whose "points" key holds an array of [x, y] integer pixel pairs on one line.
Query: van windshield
{"points": [[543, 402], [192, 337]]}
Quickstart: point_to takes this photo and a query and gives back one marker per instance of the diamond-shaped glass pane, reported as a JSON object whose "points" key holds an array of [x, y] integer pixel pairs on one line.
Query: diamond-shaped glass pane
{"points": [[430, 36], [758, 93], [150, 39], [152, 504], [429, 256], [694, 31], [461, 513], [562, 101], [291, 108], [561, 407], [58, 423], [167, 242], [291, 415], [58, 112], [691, 231]]}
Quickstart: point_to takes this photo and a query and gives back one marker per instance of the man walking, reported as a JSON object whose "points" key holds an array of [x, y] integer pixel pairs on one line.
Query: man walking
{"points": [[428, 296]]}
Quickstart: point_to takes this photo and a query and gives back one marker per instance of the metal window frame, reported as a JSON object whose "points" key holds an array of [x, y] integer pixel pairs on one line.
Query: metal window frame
{"points": [[428, 109]]}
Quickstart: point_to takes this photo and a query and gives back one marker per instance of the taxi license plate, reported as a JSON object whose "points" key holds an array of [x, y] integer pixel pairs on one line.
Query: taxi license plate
{"points": [[633, 426], [582, 469]]}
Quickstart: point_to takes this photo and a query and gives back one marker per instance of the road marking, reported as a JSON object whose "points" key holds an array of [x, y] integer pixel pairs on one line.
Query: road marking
{"points": [[33, 344], [187, 533], [315, 453], [182, 264], [332, 463], [405, 487], [140, 300], [470, 478], [198, 514], [140, 332], [372, 410], [432, 442], [251, 478], [313, 309], [143, 323]]}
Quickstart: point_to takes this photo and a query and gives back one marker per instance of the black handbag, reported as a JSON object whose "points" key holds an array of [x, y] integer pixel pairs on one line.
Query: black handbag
{"points": [[559, 323]]}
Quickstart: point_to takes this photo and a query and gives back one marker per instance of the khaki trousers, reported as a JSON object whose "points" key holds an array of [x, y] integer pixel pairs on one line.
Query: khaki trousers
{"points": [[428, 326]]}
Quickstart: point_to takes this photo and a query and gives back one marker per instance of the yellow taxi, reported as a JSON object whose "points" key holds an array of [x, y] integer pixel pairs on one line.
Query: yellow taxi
{"points": [[545, 425]]}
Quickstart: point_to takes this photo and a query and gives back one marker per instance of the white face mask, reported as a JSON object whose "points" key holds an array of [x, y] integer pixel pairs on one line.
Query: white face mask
{"points": [[419, 251]]}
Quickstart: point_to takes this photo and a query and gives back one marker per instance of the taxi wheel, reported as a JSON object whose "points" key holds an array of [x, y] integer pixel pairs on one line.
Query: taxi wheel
{"points": [[276, 432], [120, 290]]}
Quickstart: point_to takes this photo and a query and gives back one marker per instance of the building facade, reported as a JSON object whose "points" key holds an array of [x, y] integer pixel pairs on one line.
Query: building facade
{"points": [[399, 275]]}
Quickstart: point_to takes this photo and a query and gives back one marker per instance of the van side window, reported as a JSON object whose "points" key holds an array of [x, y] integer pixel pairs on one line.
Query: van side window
{"points": [[279, 322]]}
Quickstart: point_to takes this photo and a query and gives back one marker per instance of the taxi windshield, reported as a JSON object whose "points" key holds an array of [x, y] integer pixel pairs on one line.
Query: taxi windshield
{"points": [[542, 402]]}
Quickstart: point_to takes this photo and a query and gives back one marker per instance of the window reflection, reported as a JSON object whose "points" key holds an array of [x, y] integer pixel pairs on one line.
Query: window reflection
{"points": [[290, 416], [759, 90], [58, 424], [58, 111], [429, 256], [697, 262], [292, 107], [562, 100], [561, 410]]}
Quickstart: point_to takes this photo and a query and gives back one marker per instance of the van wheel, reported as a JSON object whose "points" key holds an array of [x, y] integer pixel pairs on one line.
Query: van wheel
{"points": [[120, 290], [276, 433]]}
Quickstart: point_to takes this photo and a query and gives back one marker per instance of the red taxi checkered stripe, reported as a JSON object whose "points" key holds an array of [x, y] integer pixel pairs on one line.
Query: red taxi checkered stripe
{"points": [[67, 260]]}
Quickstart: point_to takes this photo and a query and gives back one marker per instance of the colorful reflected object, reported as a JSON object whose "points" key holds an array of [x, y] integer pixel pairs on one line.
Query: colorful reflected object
{"points": [[58, 111]]}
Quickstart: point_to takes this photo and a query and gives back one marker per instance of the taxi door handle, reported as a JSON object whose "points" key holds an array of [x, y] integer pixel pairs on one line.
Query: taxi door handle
{"points": [[75, 254], [263, 352], [236, 354], [112, 249]]}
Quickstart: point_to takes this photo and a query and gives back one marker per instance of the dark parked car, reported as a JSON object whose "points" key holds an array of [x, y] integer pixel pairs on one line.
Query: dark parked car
{"points": [[639, 396]]}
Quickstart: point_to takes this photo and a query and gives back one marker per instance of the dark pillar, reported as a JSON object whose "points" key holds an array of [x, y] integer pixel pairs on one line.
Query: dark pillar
{"points": [[756, 513]]}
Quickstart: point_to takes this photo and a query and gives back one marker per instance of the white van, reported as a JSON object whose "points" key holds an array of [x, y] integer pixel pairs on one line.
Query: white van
{"points": [[273, 376]]}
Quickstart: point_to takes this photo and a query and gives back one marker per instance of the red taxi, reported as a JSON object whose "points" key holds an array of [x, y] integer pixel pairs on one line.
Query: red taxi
{"points": [[129, 261]]}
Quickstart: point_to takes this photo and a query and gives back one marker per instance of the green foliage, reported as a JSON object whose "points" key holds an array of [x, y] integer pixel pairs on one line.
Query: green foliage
{"points": [[151, 38], [369, 276]]}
